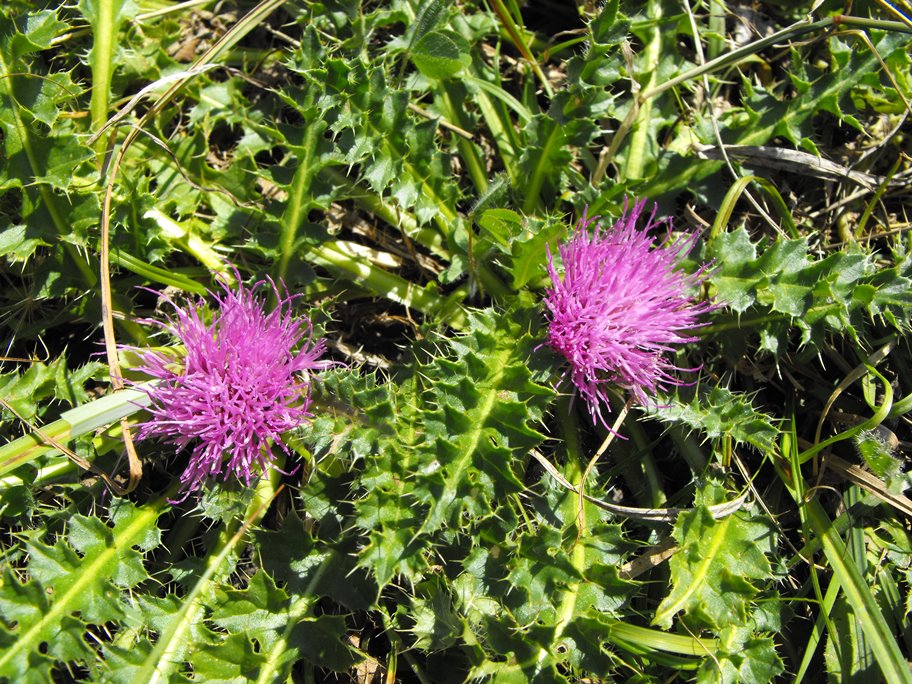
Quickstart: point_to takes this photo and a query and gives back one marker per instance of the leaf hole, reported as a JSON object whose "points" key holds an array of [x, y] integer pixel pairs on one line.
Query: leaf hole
{"points": [[270, 157], [11, 203]]}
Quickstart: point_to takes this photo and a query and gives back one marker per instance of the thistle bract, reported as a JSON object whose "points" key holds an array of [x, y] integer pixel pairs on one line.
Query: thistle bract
{"points": [[622, 305], [242, 383]]}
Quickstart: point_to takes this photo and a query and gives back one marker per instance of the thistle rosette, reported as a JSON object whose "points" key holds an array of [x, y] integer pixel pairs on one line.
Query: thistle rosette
{"points": [[622, 305], [243, 382]]}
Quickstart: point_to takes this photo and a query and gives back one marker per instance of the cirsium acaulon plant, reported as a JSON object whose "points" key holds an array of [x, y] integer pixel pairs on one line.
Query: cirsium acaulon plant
{"points": [[621, 306], [243, 381]]}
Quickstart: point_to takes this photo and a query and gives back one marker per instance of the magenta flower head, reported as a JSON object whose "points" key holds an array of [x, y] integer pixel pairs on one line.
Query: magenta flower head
{"points": [[243, 382], [620, 307]]}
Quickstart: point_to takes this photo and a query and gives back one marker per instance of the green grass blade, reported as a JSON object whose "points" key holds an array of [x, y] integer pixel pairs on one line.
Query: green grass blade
{"points": [[727, 207], [516, 35], [879, 416], [156, 274], [657, 640], [889, 657], [817, 632], [73, 423]]}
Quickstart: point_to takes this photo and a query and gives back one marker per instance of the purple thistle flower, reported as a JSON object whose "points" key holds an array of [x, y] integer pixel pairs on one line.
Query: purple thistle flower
{"points": [[242, 384], [621, 305]]}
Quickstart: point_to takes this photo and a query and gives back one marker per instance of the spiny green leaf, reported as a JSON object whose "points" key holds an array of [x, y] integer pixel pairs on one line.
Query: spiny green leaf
{"points": [[372, 127], [315, 567], [711, 572], [766, 115], [36, 144], [540, 569], [80, 576], [836, 293], [18, 243], [487, 401], [586, 637], [281, 627], [437, 625], [875, 448], [737, 275], [25, 391], [770, 116], [447, 438], [716, 412], [529, 255], [28, 33], [501, 224], [231, 661], [742, 658]]}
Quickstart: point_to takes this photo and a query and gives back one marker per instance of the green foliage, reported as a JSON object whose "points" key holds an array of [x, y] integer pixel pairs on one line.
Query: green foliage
{"points": [[26, 391], [744, 659], [269, 618], [447, 440], [42, 155], [72, 582], [105, 17], [877, 452], [711, 574], [716, 412], [786, 289], [769, 116], [406, 167], [440, 54], [714, 580], [371, 126]]}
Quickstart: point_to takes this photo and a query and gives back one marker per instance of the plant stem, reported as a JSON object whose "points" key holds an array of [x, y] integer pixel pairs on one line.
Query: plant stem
{"points": [[516, 37], [104, 33], [73, 423], [337, 256], [298, 199], [642, 134]]}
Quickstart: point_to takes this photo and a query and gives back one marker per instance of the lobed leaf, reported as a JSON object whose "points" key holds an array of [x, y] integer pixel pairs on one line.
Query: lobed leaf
{"points": [[70, 583], [717, 412], [711, 572], [448, 436], [843, 292]]}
